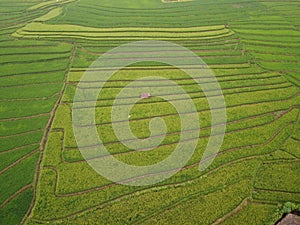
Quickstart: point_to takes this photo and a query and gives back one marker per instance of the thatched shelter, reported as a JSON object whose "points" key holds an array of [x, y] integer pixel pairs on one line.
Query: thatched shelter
{"points": [[289, 219], [145, 95]]}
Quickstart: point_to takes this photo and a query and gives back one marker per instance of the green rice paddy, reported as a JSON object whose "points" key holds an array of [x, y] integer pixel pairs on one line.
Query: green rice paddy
{"points": [[253, 48]]}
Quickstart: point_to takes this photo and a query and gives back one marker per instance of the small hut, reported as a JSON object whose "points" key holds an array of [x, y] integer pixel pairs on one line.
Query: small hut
{"points": [[289, 219], [145, 95]]}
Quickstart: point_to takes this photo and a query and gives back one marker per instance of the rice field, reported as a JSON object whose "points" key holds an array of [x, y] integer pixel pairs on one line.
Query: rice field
{"points": [[253, 48]]}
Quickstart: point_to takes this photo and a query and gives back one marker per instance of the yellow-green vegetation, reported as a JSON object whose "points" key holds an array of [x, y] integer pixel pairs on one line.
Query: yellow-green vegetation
{"points": [[52, 14], [253, 48], [40, 30], [47, 4], [31, 79], [172, 1]]}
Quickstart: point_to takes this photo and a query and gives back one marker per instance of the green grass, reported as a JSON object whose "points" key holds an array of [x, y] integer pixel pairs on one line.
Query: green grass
{"points": [[242, 138], [12, 127], [27, 92], [31, 77], [12, 156], [187, 14], [33, 67], [255, 213], [40, 30], [292, 146], [252, 48], [17, 177], [16, 209], [281, 176], [26, 108], [13, 142], [221, 178], [275, 197]]}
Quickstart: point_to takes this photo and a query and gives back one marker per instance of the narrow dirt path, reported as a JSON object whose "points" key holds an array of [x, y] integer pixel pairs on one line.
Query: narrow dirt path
{"points": [[235, 211]]}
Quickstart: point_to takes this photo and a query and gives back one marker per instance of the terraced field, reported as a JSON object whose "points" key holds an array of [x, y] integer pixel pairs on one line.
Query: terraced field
{"points": [[253, 48]]}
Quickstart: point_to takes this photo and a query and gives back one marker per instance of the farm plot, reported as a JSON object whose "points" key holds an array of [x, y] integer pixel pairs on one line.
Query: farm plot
{"points": [[14, 13], [31, 79], [276, 46], [262, 106], [256, 64], [153, 13], [40, 30]]}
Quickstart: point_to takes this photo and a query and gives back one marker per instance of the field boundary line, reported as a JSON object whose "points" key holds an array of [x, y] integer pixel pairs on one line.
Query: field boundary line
{"points": [[187, 140], [289, 153], [25, 117], [262, 75], [29, 99], [35, 84], [282, 112], [283, 81], [176, 184], [61, 58], [240, 207], [15, 195], [204, 110], [20, 134], [19, 147], [229, 91], [281, 191], [18, 161], [32, 73], [35, 53], [187, 166], [188, 198]]}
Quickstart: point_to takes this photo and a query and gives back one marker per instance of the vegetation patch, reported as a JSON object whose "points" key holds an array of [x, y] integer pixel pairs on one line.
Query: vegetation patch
{"points": [[252, 48]]}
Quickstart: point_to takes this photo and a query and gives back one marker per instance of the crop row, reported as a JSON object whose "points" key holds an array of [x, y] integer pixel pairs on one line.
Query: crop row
{"points": [[43, 213], [187, 18], [16, 6], [18, 177], [256, 212], [107, 101], [189, 171], [19, 18], [18, 205], [31, 79], [116, 148], [257, 127], [283, 176], [121, 80], [33, 67], [216, 43], [11, 157], [40, 49], [97, 38], [46, 188], [145, 111], [292, 147], [44, 30], [20, 59], [234, 113], [213, 60], [231, 101], [89, 53], [36, 26], [261, 114], [76, 73]]}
